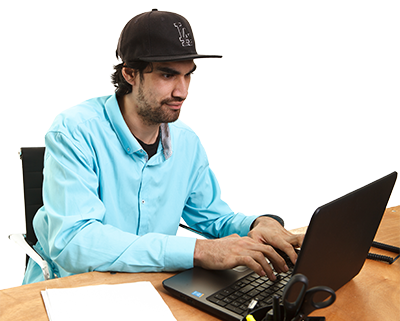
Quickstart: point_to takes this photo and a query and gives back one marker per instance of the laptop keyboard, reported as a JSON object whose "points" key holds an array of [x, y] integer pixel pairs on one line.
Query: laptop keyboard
{"points": [[237, 296]]}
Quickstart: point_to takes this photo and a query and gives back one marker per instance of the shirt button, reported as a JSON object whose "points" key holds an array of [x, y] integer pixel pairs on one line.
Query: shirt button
{"points": [[143, 201]]}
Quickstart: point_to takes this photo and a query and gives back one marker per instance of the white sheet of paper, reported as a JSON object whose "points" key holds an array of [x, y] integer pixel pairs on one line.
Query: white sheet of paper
{"points": [[128, 301]]}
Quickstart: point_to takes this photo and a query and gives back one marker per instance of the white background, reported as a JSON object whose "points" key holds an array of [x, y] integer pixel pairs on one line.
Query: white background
{"points": [[278, 115]]}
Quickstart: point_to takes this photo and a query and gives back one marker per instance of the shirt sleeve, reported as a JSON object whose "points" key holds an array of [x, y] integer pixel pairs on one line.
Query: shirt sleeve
{"points": [[206, 212], [70, 226]]}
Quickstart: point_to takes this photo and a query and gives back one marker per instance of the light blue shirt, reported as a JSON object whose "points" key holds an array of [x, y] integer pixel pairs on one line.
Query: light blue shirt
{"points": [[108, 208]]}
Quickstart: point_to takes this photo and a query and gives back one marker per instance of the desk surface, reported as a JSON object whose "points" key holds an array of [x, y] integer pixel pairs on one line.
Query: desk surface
{"points": [[374, 294]]}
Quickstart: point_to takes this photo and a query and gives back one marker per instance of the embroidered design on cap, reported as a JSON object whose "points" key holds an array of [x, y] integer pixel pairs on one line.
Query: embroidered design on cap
{"points": [[184, 35]]}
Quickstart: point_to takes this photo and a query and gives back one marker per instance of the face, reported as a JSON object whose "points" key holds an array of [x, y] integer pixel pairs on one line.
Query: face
{"points": [[160, 95]]}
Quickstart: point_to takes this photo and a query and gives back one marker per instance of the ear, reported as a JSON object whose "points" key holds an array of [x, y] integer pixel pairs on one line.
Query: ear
{"points": [[129, 75]]}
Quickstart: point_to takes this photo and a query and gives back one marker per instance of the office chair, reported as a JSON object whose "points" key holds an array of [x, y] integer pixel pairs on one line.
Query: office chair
{"points": [[32, 172]]}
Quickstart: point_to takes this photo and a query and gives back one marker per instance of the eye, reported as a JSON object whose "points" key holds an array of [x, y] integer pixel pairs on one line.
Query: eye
{"points": [[167, 76]]}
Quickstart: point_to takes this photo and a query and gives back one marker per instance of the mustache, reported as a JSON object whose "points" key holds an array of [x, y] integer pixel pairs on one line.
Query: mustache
{"points": [[172, 100]]}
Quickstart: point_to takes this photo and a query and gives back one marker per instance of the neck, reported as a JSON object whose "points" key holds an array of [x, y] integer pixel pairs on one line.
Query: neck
{"points": [[145, 132]]}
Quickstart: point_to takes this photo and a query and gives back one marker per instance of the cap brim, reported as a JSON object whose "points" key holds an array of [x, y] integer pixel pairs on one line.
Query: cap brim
{"points": [[177, 58]]}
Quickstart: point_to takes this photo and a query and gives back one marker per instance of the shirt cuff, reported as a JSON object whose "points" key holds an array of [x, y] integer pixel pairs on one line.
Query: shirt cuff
{"points": [[179, 253], [275, 217]]}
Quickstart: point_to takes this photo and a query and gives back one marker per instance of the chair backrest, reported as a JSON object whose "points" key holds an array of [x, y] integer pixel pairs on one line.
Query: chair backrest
{"points": [[32, 173]]}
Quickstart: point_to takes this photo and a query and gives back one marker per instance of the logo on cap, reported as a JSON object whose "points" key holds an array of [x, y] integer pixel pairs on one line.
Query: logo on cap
{"points": [[184, 35]]}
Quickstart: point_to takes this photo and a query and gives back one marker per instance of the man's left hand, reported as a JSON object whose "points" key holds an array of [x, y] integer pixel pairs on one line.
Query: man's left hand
{"points": [[269, 231]]}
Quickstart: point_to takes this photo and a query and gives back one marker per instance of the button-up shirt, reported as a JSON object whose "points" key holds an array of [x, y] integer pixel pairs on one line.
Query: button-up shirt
{"points": [[107, 207]]}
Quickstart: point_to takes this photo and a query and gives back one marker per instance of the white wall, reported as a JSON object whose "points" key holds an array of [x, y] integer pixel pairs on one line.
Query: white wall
{"points": [[378, 138], [301, 110]]}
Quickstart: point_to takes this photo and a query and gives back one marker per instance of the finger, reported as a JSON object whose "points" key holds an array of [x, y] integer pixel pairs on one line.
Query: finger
{"points": [[296, 242], [288, 246], [257, 262], [299, 238], [266, 251], [277, 261], [254, 257]]}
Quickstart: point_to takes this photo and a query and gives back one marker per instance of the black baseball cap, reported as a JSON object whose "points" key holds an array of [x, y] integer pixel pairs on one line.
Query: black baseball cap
{"points": [[158, 36]]}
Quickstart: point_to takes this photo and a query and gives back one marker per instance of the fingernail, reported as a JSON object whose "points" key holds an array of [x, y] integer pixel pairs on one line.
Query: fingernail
{"points": [[286, 268]]}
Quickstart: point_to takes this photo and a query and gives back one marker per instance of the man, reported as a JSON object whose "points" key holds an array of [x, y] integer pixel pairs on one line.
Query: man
{"points": [[121, 170]]}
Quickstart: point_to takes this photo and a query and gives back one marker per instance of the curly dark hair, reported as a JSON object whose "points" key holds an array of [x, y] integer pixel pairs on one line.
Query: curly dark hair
{"points": [[121, 85]]}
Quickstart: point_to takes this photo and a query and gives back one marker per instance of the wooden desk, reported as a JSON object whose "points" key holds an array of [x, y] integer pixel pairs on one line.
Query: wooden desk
{"points": [[373, 295]]}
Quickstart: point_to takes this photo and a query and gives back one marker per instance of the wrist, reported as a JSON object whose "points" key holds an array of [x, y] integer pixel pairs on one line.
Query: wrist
{"points": [[198, 252]]}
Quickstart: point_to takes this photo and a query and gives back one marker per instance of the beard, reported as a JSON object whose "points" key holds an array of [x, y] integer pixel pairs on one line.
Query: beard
{"points": [[156, 113]]}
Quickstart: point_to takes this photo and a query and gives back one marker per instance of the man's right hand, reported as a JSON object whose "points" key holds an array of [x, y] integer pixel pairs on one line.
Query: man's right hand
{"points": [[233, 250]]}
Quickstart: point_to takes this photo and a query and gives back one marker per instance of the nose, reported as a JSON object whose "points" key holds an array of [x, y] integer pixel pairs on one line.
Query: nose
{"points": [[181, 88]]}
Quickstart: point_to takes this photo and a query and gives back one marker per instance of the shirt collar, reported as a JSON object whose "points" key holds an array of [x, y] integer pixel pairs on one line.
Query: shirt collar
{"points": [[166, 140], [127, 140]]}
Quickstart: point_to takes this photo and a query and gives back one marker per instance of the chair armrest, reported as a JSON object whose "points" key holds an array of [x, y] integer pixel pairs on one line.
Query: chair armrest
{"points": [[21, 241]]}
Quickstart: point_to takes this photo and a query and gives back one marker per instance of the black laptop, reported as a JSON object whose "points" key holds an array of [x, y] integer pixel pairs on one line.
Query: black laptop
{"points": [[334, 250]]}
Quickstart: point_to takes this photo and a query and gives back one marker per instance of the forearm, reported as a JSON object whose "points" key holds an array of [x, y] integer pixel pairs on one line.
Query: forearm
{"points": [[105, 248]]}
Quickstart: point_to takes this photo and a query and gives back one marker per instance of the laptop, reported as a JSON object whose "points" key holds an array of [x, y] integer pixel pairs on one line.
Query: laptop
{"points": [[334, 250]]}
